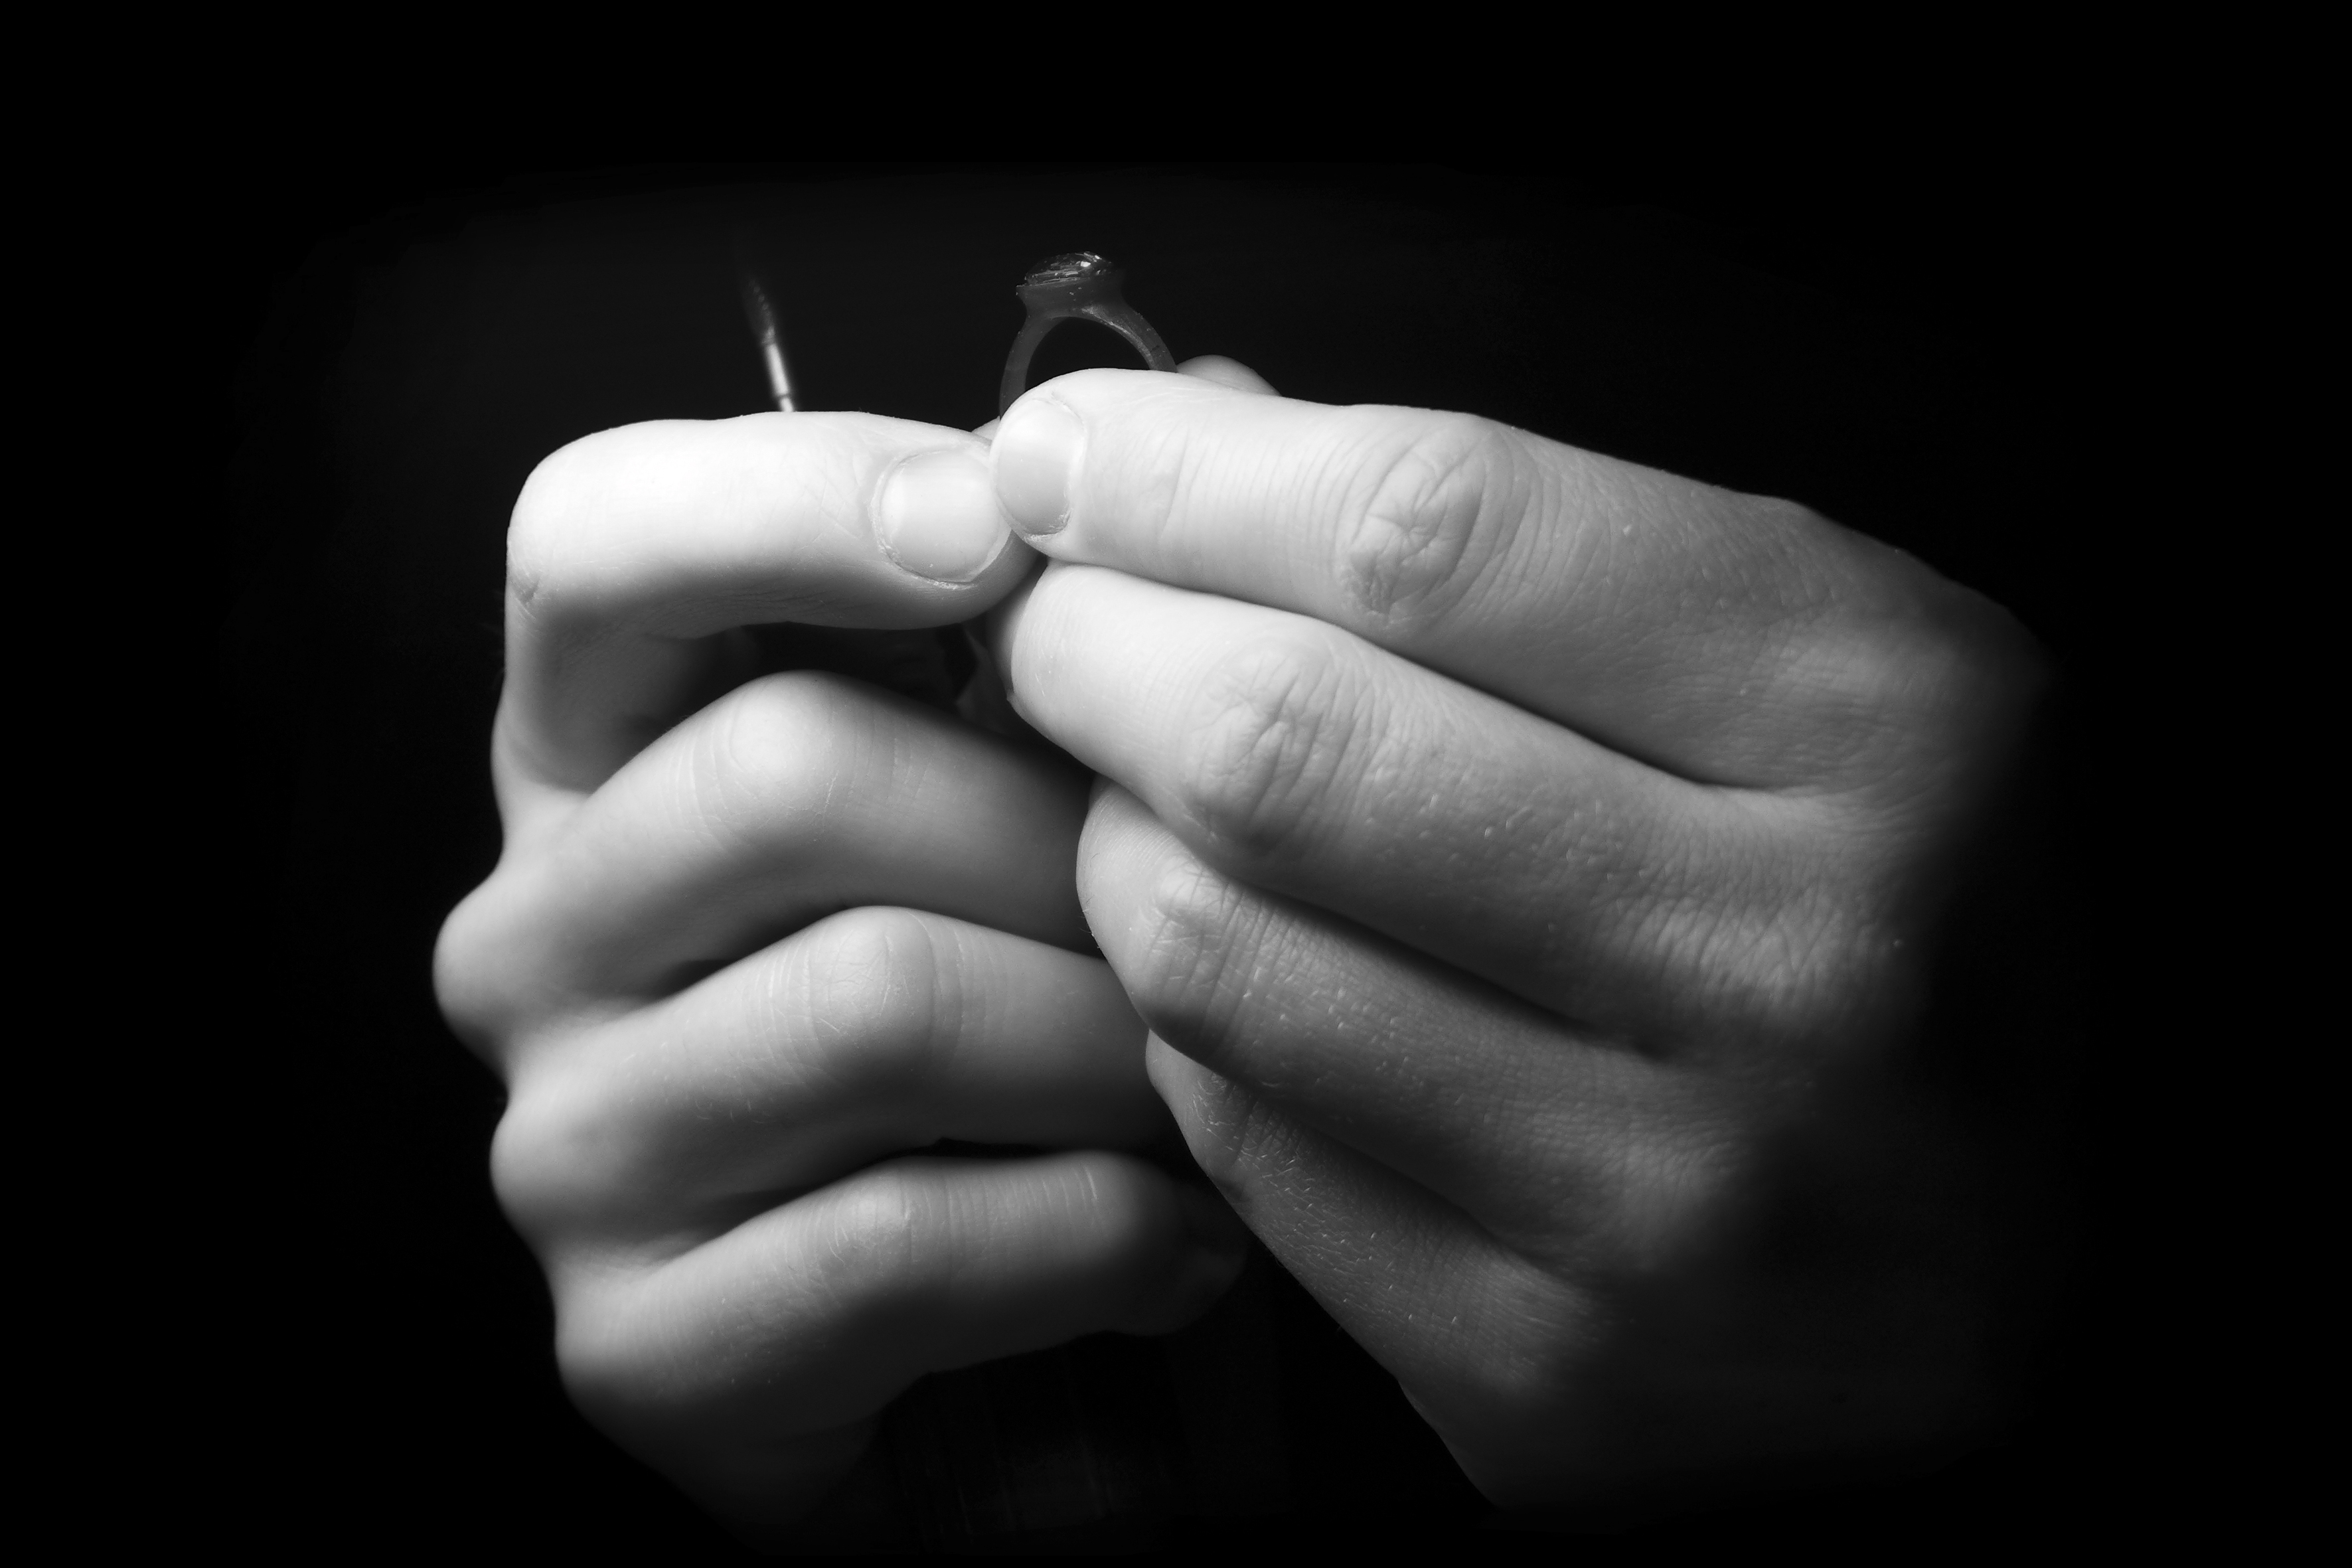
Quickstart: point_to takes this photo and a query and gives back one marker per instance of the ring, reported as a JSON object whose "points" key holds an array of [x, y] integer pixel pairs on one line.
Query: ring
{"points": [[1081, 286]]}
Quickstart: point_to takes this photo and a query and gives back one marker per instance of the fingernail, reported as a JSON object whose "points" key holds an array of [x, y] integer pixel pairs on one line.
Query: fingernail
{"points": [[1036, 456], [937, 517]]}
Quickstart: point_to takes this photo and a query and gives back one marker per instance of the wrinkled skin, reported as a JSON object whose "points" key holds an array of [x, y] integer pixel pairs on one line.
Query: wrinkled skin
{"points": [[1513, 872]]}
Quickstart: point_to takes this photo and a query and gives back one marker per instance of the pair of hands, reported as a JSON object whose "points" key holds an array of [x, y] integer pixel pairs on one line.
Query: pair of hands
{"points": [[1510, 868]]}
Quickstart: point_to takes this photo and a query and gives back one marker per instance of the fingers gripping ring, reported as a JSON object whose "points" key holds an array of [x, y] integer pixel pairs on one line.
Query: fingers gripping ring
{"points": [[1085, 286]]}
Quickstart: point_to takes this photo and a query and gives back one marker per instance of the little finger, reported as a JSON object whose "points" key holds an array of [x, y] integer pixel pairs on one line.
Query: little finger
{"points": [[810, 1316]]}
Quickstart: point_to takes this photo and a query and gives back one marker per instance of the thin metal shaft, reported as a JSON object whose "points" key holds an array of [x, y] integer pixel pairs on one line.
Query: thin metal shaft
{"points": [[762, 317]]}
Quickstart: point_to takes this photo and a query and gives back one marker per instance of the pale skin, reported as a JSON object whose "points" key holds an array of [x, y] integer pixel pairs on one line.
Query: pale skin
{"points": [[1512, 872]]}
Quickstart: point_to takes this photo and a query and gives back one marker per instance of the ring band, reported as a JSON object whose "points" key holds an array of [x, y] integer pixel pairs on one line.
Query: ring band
{"points": [[1081, 286]]}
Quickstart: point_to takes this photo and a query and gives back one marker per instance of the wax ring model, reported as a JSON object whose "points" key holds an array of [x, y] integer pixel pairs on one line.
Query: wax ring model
{"points": [[1080, 286]]}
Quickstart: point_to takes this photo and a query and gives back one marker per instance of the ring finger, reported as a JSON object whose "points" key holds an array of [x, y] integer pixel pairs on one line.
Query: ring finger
{"points": [[1495, 1108]]}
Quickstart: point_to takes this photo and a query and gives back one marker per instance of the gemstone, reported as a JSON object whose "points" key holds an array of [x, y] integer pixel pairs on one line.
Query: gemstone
{"points": [[1065, 269]]}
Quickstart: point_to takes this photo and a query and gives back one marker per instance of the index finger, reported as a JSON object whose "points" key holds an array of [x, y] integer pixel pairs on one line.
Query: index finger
{"points": [[631, 550], [1678, 622]]}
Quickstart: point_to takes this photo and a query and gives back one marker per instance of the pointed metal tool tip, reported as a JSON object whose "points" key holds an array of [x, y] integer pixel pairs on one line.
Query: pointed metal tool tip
{"points": [[760, 314]]}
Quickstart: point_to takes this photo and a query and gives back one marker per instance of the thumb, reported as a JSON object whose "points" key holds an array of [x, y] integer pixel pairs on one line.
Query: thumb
{"points": [[1229, 373]]}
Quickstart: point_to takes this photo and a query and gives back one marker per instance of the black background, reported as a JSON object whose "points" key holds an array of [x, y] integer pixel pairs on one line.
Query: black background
{"points": [[1910, 358]]}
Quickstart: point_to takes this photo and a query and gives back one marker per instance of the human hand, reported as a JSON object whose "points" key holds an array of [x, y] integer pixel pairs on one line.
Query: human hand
{"points": [[1527, 863], [751, 944]]}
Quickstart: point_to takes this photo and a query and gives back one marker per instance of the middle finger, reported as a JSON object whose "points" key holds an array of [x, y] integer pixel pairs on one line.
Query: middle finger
{"points": [[786, 801], [1299, 758]]}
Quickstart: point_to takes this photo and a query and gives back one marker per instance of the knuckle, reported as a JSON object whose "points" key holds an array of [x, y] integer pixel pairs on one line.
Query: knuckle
{"points": [[1920, 688], [1237, 1138], [1978, 679], [872, 986], [888, 1239], [545, 566], [1269, 737], [557, 1155], [779, 757], [478, 994], [782, 729], [1436, 513], [463, 985], [617, 1367], [1532, 1342]]}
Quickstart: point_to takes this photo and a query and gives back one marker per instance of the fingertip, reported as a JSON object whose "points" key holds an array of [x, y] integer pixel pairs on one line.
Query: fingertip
{"points": [[1190, 1247], [1114, 849], [1114, 801], [1201, 1276], [1125, 858], [1227, 373], [1212, 1222], [1074, 1244], [1201, 1102], [1001, 628], [1034, 459]]}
